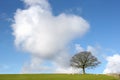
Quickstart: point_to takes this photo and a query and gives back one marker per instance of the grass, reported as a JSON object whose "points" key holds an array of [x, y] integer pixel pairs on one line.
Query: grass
{"points": [[55, 77]]}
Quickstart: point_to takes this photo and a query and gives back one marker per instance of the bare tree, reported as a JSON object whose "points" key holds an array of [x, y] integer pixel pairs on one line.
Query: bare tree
{"points": [[84, 60]]}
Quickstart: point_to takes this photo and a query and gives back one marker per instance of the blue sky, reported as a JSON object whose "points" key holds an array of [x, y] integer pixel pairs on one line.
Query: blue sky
{"points": [[102, 15]]}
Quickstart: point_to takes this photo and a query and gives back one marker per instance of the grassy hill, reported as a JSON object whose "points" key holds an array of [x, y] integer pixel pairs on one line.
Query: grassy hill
{"points": [[55, 77]]}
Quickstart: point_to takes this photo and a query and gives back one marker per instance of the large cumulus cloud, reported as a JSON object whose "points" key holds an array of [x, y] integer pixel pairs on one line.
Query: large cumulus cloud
{"points": [[45, 36]]}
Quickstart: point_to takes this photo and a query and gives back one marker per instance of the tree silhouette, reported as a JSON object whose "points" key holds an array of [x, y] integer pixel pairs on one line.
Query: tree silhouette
{"points": [[84, 60]]}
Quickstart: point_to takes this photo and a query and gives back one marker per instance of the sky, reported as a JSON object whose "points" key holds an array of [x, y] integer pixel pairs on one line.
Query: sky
{"points": [[40, 36]]}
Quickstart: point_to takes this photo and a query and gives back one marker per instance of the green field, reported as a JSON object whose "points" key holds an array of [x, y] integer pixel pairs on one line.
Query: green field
{"points": [[54, 77]]}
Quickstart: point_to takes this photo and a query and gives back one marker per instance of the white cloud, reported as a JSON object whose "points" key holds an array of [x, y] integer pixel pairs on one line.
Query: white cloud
{"points": [[95, 50], [113, 64], [79, 48], [69, 70], [45, 36]]}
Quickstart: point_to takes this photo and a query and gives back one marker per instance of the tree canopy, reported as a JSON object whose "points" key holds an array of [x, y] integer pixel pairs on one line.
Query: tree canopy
{"points": [[84, 60]]}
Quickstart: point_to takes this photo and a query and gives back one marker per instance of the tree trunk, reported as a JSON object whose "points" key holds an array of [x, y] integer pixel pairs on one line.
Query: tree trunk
{"points": [[83, 70]]}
